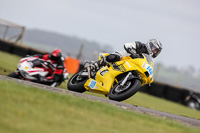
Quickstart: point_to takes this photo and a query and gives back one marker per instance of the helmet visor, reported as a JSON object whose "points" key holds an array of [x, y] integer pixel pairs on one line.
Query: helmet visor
{"points": [[154, 49]]}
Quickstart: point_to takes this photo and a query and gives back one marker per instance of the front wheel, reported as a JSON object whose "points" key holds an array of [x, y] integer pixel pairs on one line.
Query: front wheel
{"points": [[120, 93], [76, 82], [14, 75]]}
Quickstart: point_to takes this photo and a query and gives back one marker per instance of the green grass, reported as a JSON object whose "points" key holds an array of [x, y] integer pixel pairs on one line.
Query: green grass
{"points": [[148, 101], [27, 109], [8, 62], [152, 102]]}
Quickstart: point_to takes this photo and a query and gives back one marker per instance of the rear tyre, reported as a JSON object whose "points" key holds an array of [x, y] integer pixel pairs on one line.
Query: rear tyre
{"points": [[120, 93], [76, 83]]}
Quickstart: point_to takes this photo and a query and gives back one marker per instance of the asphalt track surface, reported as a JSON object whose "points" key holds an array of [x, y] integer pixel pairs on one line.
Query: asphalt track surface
{"points": [[181, 119]]}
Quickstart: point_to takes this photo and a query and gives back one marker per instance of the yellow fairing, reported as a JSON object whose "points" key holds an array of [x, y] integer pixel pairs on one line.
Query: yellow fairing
{"points": [[105, 77]]}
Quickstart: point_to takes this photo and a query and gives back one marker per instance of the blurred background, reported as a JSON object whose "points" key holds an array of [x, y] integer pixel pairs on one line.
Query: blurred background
{"points": [[77, 26]]}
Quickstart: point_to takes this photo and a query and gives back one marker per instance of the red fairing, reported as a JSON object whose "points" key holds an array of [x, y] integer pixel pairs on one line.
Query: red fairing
{"points": [[34, 71], [49, 70], [24, 60]]}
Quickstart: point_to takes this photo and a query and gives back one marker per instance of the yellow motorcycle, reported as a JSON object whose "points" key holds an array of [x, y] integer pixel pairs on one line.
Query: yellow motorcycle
{"points": [[119, 80]]}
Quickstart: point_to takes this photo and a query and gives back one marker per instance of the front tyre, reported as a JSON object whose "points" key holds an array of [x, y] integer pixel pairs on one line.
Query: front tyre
{"points": [[76, 83], [120, 93], [14, 75]]}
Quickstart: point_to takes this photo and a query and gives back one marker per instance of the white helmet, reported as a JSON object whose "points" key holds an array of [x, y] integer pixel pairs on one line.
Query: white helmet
{"points": [[154, 47]]}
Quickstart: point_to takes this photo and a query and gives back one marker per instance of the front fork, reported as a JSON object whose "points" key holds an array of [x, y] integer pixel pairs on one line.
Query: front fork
{"points": [[125, 79], [89, 73], [129, 76]]}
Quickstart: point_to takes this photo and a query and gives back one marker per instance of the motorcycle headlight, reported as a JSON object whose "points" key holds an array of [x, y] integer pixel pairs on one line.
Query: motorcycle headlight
{"points": [[103, 72]]}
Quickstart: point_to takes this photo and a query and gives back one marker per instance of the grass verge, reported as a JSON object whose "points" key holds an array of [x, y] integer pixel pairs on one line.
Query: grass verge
{"points": [[28, 109]]}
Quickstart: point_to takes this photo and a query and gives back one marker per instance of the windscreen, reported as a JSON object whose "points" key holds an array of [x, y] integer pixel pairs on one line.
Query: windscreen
{"points": [[149, 59]]}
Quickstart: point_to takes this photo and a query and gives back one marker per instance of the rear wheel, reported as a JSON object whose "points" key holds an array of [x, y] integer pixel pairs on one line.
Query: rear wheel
{"points": [[120, 93], [76, 82]]}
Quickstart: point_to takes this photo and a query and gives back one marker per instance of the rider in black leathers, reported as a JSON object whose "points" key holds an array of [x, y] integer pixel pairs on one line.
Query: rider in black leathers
{"points": [[133, 49]]}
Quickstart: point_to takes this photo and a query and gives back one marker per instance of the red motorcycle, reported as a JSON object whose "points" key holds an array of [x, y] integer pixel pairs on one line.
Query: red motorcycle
{"points": [[31, 69]]}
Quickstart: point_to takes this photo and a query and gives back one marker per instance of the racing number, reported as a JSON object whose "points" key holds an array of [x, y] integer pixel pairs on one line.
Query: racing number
{"points": [[150, 70]]}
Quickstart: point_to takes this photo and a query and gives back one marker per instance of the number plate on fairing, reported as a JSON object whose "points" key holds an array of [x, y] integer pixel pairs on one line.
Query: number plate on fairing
{"points": [[92, 84], [149, 69]]}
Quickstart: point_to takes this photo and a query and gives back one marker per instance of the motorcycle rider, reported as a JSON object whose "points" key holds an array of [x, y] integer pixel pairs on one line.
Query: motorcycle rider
{"points": [[133, 49], [58, 61]]}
